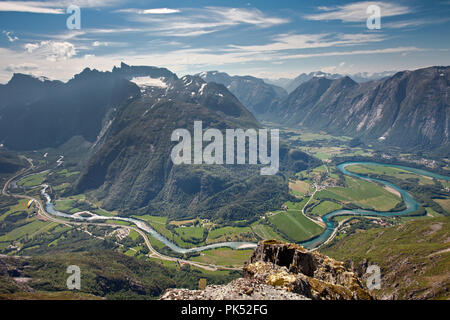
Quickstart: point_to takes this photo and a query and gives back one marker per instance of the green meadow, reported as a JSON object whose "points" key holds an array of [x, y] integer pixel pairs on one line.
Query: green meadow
{"points": [[362, 193], [325, 207]]}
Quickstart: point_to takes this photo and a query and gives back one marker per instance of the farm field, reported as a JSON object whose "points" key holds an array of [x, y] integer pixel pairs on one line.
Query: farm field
{"points": [[306, 136], [230, 234], [362, 193], [293, 224], [190, 234], [299, 188], [326, 153], [182, 222], [120, 223], [19, 207], [66, 206], [33, 227], [67, 173], [444, 203], [325, 207], [266, 232], [224, 257], [33, 180], [389, 171]]}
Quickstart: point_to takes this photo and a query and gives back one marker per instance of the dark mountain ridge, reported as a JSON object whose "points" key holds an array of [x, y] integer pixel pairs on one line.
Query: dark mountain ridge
{"points": [[131, 170], [291, 84], [38, 113]]}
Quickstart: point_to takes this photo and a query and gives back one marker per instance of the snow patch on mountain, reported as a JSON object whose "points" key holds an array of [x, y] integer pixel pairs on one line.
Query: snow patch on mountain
{"points": [[149, 82]]}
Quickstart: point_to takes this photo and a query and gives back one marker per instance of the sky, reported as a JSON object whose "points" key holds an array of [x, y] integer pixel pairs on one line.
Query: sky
{"points": [[267, 39]]}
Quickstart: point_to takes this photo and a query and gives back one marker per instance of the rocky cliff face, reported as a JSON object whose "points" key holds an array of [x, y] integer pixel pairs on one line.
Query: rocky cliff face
{"points": [[281, 271], [408, 110]]}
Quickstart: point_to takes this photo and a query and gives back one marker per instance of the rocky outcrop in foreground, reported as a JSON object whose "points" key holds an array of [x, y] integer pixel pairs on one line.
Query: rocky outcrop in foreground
{"points": [[283, 271]]}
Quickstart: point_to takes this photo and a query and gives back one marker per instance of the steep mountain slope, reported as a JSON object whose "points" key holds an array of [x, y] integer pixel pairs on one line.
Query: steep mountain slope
{"points": [[252, 92], [104, 274], [305, 77], [414, 258], [132, 170], [10, 163], [38, 113], [409, 109]]}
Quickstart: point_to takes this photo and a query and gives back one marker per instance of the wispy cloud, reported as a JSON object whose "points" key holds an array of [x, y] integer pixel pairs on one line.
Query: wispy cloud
{"points": [[311, 41], [10, 36], [354, 52], [149, 11], [23, 67], [200, 21], [415, 23], [356, 12], [30, 6], [53, 7], [100, 44]]}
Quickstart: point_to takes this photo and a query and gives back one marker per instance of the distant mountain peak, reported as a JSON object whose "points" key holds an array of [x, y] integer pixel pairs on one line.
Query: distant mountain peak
{"points": [[252, 92], [21, 79]]}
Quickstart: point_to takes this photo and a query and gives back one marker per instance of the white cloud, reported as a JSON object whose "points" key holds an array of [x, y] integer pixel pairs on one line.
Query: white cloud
{"points": [[52, 50], [29, 6], [10, 36], [159, 11], [99, 44], [356, 12], [149, 11], [53, 7]]}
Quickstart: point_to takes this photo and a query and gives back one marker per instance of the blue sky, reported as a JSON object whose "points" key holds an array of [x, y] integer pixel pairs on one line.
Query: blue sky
{"points": [[270, 39]]}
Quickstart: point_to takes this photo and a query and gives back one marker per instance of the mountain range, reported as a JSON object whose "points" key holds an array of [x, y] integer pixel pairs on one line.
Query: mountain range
{"points": [[252, 92], [131, 169], [408, 110], [127, 116], [291, 84]]}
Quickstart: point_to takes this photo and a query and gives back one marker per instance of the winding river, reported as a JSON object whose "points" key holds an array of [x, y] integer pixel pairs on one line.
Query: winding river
{"points": [[411, 206], [49, 207], [410, 202]]}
